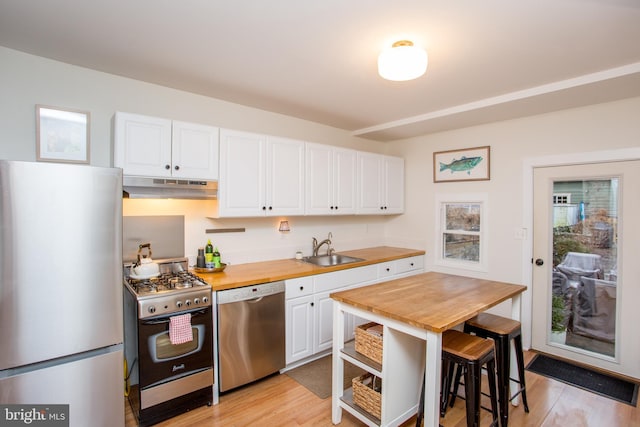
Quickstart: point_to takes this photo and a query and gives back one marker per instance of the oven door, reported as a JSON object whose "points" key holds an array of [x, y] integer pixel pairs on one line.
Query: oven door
{"points": [[161, 361]]}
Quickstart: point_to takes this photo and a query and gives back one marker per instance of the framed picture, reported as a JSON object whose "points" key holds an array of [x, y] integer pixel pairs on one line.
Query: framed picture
{"points": [[62, 135], [469, 164]]}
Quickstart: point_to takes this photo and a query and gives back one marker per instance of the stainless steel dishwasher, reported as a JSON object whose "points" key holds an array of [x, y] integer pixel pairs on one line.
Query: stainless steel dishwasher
{"points": [[251, 336]]}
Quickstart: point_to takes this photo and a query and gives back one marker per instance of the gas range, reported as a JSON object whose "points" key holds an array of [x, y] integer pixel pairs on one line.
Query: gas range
{"points": [[174, 290]]}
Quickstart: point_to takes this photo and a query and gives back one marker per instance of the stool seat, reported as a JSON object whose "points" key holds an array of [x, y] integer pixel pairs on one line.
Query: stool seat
{"points": [[470, 353], [498, 324], [465, 346], [502, 330]]}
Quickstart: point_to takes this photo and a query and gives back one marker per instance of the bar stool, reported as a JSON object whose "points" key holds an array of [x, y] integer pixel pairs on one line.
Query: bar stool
{"points": [[502, 330], [471, 353]]}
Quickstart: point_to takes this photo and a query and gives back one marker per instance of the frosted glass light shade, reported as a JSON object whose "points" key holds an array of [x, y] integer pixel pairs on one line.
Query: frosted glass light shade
{"points": [[402, 61]]}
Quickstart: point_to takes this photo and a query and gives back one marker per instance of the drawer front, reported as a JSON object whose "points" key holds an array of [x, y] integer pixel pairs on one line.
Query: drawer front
{"points": [[406, 265], [298, 287], [343, 278], [386, 269]]}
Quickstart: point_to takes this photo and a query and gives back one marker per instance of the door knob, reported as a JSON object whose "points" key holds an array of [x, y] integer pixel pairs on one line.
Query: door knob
{"points": [[539, 262]]}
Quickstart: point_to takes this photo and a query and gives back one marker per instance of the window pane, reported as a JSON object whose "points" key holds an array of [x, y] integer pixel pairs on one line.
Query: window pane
{"points": [[463, 216], [585, 266], [461, 246]]}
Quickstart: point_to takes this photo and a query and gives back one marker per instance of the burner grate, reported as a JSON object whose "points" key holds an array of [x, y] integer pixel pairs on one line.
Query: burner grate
{"points": [[166, 282]]}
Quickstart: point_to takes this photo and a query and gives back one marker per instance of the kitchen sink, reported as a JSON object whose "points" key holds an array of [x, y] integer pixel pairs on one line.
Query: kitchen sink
{"points": [[330, 260]]}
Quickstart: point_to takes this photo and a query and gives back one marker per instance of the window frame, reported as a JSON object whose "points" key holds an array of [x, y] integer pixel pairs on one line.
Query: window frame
{"points": [[441, 201]]}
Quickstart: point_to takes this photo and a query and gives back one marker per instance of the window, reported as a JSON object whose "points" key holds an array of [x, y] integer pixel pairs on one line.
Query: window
{"points": [[561, 198], [462, 233]]}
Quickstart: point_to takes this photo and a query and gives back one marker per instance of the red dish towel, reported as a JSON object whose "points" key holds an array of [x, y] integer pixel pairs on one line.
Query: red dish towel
{"points": [[180, 329]]}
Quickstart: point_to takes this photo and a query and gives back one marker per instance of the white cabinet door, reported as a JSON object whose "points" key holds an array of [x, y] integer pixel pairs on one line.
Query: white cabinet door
{"points": [[323, 331], [194, 151], [284, 177], [260, 175], [241, 186], [344, 181], [369, 183], [330, 180], [319, 179], [299, 320], [393, 179], [380, 184], [142, 145]]}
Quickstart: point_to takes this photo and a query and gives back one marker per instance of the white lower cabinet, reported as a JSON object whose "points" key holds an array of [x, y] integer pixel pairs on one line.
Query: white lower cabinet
{"points": [[299, 318], [309, 307]]}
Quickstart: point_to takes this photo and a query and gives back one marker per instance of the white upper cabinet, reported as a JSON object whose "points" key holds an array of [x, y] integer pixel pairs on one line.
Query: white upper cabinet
{"points": [[330, 176], [194, 150], [260, 175], [380, 184], [156, 147]]}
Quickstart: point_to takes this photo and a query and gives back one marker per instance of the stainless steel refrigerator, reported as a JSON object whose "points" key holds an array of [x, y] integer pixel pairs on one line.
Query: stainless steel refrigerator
{"points": [[61, 290]]}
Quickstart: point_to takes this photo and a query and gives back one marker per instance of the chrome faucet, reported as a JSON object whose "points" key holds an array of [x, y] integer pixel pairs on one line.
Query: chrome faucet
{"points": [[327, 241]]}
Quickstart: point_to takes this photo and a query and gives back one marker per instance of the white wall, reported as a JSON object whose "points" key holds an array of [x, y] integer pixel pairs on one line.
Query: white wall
{"points": [[594, 128], [27, 80]]}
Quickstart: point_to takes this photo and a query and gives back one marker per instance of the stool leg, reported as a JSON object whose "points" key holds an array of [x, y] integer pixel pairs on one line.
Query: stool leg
{"points": [[503, 359], [420, 414], [445, 388], [456, 384], [517, 341], [491, 374], [472, 384]]}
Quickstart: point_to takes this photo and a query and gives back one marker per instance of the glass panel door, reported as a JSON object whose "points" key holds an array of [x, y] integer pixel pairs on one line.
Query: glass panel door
{"points": [[585, 275]]}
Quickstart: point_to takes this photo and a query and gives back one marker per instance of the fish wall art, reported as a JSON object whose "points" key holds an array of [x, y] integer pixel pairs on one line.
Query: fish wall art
{"points": [[471, 164]]}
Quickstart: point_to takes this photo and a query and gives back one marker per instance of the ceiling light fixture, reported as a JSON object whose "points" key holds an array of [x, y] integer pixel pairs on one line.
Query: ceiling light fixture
{"points": [[402, 61]]}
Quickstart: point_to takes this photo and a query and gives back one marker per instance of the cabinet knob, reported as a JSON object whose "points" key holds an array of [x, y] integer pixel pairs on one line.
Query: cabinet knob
{"points": [[270, 207], [264, 208], [167, 167], [411, 264], [331, 207], [302, 288], [176, 167], [388, 269], [311, 304]]}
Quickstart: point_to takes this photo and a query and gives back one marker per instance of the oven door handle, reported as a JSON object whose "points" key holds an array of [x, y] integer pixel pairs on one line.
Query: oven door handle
{"points": [[160, 321]]}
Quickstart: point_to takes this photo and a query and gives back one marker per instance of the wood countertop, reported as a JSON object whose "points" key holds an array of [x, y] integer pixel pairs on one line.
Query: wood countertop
{"points": [[235, 276], [431, 301]]}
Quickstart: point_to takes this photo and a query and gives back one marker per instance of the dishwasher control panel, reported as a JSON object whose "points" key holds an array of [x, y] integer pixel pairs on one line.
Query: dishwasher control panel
{"points": [[250, 292]]}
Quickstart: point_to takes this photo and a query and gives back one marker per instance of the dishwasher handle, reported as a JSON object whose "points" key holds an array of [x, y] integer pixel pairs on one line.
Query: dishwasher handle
{"points": [[250, 293]]}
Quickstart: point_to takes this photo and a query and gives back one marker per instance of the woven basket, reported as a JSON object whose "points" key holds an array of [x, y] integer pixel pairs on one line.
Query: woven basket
{"points": [[368, 344], [365, 396]]}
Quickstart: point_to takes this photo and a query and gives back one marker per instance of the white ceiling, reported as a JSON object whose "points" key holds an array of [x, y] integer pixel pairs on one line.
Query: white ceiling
{"points": [[488, 60]]}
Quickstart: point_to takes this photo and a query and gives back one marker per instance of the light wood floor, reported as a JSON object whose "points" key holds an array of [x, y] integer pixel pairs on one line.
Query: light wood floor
{"points": [[280, 401]]}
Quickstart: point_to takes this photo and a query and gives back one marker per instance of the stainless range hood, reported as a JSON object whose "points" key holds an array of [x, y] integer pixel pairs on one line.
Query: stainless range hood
{"points": [[135, 187]]}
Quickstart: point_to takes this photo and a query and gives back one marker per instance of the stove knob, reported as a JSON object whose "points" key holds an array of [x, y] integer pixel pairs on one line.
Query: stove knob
{"points": [[151, 309], [179, 304], [188, 303], [205, 300], [196, 300]]}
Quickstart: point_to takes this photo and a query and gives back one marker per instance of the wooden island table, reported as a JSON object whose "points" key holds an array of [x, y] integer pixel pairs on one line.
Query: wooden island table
{"points": [[412, 310]]}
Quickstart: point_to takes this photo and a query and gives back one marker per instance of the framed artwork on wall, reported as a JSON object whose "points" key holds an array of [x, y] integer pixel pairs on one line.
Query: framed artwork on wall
{"points": [[468, 164], [62, 135]]}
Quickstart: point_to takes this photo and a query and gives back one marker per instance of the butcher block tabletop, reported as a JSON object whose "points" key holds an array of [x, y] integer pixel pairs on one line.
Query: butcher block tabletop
{"points": [[430, 301], [235, 276]]}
